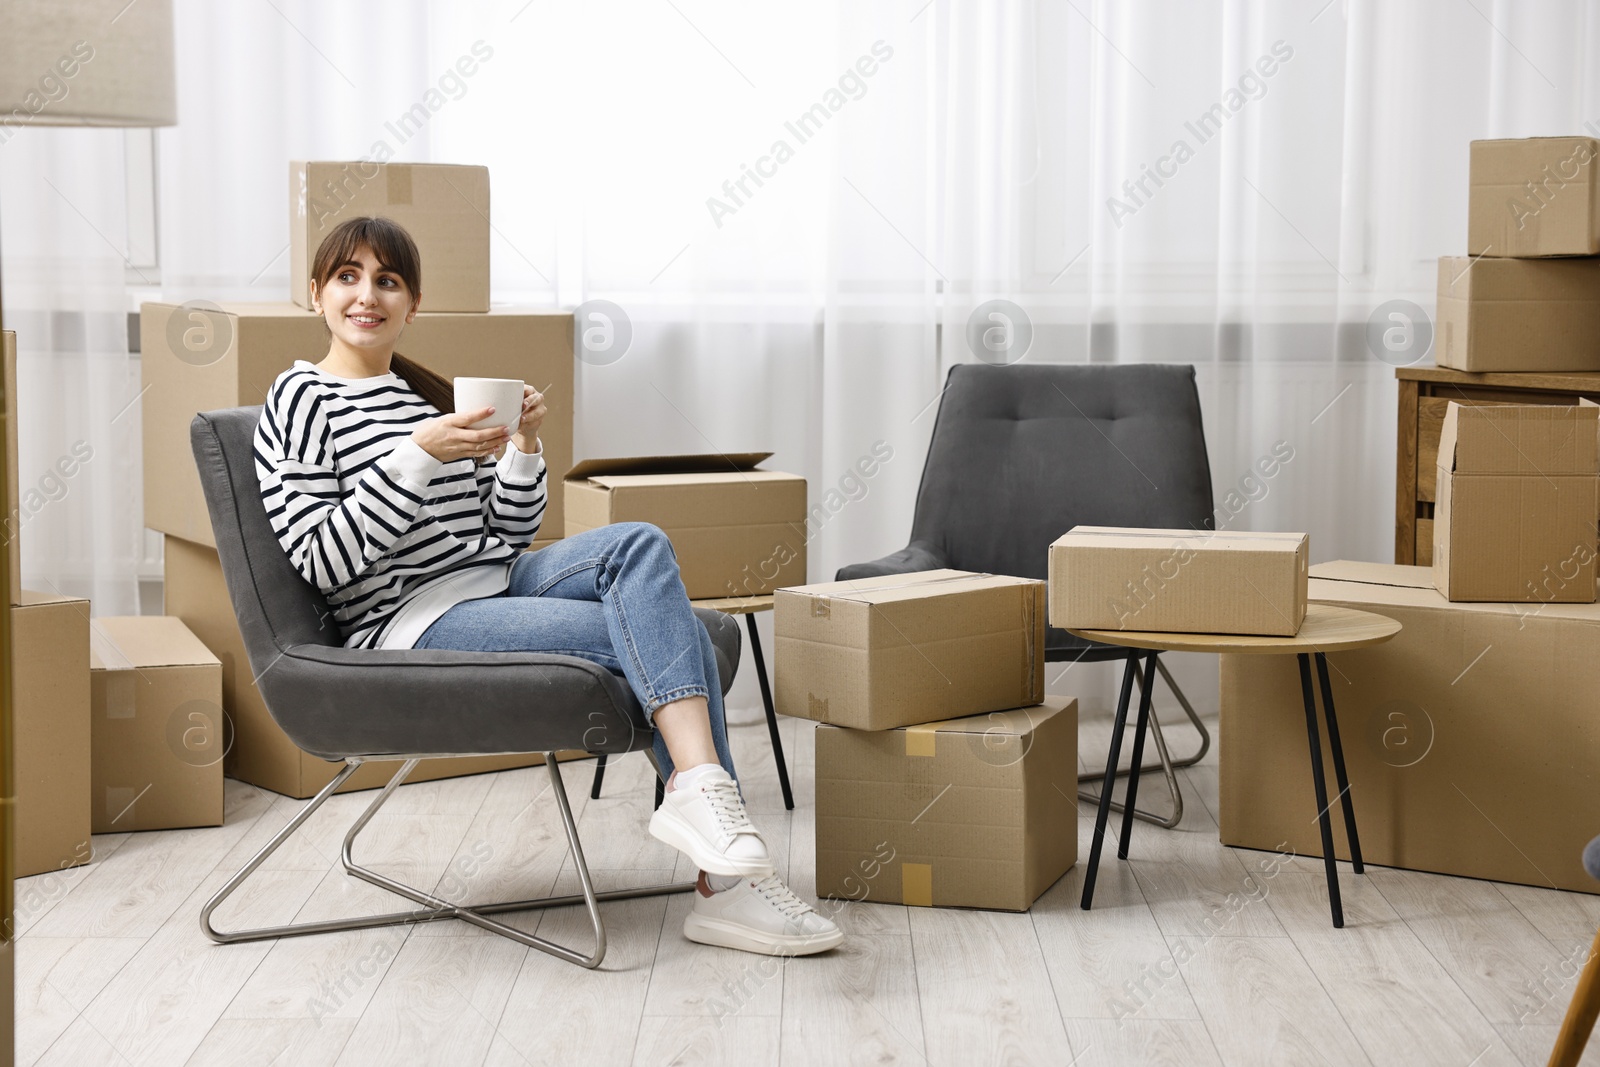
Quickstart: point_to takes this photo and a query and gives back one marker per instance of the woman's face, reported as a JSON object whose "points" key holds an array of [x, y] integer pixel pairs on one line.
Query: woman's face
{"points": [[365, 304]]}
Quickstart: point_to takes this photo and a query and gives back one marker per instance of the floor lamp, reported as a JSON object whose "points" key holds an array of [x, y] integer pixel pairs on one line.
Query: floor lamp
{"points": [[62, 63]]}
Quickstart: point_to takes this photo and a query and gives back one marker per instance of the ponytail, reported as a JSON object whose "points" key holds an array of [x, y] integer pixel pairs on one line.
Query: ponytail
{"points": [[432, 387]]}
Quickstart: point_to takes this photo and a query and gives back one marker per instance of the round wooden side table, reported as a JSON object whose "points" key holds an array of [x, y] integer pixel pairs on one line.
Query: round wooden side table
{"points": [[1326, 629]]}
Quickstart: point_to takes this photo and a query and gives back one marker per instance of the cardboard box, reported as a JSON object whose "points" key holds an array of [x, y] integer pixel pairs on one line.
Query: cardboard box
{"points": [[977, 812], [444, 208], [1472, 738], [737, 531], [1534, 196], [903, 649], [1518, 492], [201, 360], [13, 501], [1179, 581], [50, 732], [1518, 314], [156, 726], [259, 751]]}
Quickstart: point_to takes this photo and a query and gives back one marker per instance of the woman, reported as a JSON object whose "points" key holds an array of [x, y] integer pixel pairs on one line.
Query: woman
{"points": [[403, 517]]}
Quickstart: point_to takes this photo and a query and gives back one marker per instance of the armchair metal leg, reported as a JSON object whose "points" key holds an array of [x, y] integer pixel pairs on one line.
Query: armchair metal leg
{"points": [[433, 908], [1165, 763]]}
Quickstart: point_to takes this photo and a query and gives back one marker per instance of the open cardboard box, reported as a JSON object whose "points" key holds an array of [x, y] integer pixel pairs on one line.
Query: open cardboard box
{"points": [[1518, 492], [737, 530]]}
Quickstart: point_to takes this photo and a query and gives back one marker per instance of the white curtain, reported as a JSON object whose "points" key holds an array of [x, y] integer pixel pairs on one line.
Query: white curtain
{"points": [[808, 300]]}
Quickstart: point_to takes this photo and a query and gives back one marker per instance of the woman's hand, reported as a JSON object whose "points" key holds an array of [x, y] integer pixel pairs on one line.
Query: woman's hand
{"points": [[533, 413], [448, 437]]}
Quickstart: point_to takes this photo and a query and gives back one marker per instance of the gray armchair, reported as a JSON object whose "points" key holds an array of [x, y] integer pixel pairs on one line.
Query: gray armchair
{"points": [[1022, 454], [355, 704]]}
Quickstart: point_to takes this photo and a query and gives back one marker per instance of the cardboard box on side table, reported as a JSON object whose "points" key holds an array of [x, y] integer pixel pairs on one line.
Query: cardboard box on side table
{"points": [[1178, 581], [977, 812], [157, 730], [1518, 493], [1472, 739], [737, 530], [50, 732], [904, 649]]}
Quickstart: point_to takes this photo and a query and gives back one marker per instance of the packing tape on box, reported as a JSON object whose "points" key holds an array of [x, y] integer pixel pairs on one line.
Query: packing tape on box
{"points": [[916, 884], [961, 577], [920, 739], [398, 179], [1032, 678], [119, 804], [118, 671]]}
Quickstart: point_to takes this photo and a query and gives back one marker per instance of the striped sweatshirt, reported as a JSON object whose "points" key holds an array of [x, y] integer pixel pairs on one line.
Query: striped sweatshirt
{"points": [[392, 537]]}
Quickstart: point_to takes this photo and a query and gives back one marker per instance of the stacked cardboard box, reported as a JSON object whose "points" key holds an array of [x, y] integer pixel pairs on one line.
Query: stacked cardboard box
{"points": [[942, 776], [200, 357], [1526, 297]]}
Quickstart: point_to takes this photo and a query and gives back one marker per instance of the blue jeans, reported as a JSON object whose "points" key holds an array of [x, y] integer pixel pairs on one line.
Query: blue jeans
{"points": [[611, 596]]}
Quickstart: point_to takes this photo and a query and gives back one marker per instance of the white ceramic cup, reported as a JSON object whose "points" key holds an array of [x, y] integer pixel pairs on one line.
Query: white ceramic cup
{"points": [[502, 394]]}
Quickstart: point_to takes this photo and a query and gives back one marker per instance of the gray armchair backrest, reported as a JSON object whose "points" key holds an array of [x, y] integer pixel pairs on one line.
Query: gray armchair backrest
{"points": [[276, 607], [1022, 454]]}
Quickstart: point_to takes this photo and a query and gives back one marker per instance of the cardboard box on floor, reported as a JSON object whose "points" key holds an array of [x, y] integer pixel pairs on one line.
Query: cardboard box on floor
{"points": [[50, 732], [157, 734], [259, 751], [1534, 196], [976, 812], [1518, 314], [1179, 581], [13, 500], [737, 531], [196, 359], [903, 649], [1518, 493], [445, 208], [1472, 738]]}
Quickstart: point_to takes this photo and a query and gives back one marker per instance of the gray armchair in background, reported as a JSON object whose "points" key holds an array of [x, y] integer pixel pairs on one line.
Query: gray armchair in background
{"points": [[1022, 454], [353, 705]]}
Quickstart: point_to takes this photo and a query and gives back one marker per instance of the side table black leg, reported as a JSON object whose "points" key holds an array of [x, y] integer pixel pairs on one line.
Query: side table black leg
{"points": [[1110, 780], [1338, 763], [599, 776], [1324, 823], [772, 716], [1128, 802]]}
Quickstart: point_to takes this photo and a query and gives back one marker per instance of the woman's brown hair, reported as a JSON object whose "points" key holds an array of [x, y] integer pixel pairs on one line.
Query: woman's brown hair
{"points": [[396, 251]]}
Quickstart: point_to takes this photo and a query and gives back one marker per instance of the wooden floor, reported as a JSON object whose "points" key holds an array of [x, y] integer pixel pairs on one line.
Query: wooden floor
{"points": [[1430, 970]]}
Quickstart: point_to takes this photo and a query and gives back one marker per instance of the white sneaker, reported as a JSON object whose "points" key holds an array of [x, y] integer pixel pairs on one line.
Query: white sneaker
{"points": [[760, 915], [707, 822]]}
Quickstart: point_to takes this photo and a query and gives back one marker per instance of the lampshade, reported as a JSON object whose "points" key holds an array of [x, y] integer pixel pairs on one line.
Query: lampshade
{"points": [[87, 63]]}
